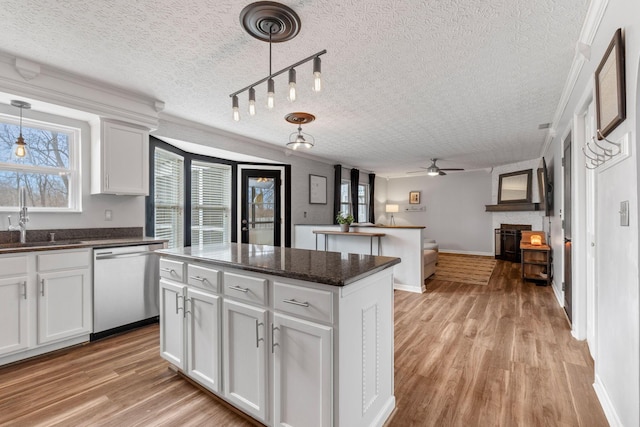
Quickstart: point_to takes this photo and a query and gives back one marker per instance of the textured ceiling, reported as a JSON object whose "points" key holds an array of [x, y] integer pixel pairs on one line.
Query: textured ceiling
{"points": [[466, 81]]}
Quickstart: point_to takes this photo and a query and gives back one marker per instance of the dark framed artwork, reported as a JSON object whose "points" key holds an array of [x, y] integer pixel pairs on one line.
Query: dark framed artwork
{"points": [[317, 190], [414, 197], [610, 88]]}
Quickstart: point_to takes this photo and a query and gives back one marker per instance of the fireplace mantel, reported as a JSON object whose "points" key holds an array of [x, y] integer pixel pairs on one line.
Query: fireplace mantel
{"points": [[513, 207]]}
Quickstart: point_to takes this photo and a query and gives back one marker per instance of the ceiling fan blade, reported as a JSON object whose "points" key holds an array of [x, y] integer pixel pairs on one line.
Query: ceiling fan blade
{"points": [[416, 171], [441, 173], [451, 169]]}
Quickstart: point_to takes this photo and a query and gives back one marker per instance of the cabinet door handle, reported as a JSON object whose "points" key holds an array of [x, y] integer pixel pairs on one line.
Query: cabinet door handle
{"points": [[238, 288], [198, 278], [42, 286], [258, 339], [106, 181], [185, 311], [294, 302], [273, 341], [24, 288], [168, 270]]}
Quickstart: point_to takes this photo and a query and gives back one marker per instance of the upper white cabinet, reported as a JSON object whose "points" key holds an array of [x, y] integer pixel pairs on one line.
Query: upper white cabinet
{"points": [[119, 159]]}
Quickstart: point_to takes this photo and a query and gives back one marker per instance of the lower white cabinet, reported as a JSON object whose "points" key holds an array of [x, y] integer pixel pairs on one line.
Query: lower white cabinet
{"points": [[245, 357], [203, 338], [64, 304], [302, 372], [172, 347], [189, 331], [14, 312], [45, 302]]}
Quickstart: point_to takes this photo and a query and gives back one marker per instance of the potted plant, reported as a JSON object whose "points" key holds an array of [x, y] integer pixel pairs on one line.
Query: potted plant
{"points": [[344, 220]]}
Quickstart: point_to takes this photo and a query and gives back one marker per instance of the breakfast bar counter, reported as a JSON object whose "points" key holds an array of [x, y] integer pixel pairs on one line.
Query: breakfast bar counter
{"points": [[289, 336]]}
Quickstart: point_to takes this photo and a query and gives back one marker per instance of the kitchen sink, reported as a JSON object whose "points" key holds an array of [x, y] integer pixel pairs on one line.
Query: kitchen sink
{"points": [[14, 245]]}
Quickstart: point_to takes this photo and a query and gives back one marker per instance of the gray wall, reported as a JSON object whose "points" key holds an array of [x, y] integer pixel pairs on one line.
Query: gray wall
{"points": [[454, 209]]}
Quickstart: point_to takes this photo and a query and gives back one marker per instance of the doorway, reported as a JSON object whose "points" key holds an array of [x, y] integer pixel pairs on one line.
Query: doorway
{"points": [[261, 206], [566, 162]]}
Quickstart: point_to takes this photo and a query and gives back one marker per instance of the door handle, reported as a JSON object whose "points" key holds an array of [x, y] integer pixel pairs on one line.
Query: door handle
{"points": [[245, 229], [244, 221]]}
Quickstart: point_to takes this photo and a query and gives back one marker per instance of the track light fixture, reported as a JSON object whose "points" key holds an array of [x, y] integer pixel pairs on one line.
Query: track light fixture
{"points": [[275, 23], [300, 139], [21, 146]]}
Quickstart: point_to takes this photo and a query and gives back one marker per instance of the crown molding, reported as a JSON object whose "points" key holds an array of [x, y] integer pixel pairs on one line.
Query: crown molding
{"points": [[29, 79], [590, 27]]}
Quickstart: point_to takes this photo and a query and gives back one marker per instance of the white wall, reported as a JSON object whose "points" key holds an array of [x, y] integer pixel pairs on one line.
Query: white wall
{"points": [[454, 209], [617, 314], [127, 211]]}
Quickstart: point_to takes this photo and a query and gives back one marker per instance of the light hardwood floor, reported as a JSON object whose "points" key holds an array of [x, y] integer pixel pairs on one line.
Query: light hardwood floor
{"points": [[466, 355]]}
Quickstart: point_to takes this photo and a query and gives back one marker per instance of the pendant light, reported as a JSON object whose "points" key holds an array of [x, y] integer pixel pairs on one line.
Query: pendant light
{"points": [[21, 146], [273, 22], [300, 139]]}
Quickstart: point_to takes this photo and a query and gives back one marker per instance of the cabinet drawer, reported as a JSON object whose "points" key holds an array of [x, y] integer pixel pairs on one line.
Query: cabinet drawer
{"points": [[203, 277], [310, 303], [63, 260], [13, 265], [246, 288], [170, 269]]}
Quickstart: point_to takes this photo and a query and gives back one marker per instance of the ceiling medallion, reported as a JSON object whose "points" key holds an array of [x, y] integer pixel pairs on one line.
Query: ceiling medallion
{"points": [[274, 23], [300, 139]]}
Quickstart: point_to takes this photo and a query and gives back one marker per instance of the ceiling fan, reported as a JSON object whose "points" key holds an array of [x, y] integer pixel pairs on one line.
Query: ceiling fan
{"points": [[434, 170]]}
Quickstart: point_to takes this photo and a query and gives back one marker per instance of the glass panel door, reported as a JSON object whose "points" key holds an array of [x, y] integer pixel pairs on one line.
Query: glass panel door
{"points": [[260, 211]]}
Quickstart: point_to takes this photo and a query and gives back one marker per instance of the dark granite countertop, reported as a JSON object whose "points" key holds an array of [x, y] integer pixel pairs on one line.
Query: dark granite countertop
{"points": [[354, 225], [331, 268]]}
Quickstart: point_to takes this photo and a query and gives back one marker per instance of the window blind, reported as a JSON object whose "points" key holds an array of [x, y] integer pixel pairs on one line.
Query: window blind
{"points": [[169, 197], [210, 203]]}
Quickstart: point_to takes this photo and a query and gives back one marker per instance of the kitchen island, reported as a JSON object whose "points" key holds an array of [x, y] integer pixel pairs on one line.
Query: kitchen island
{"points": [[289, 336]]}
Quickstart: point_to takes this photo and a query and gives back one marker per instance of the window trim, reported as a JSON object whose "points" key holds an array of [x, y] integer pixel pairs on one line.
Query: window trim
{"points": [[75, 165]]}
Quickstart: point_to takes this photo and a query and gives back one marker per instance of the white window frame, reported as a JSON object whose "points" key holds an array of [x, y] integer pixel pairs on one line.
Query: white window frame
{"points": [[348, 210], [74, 172]]}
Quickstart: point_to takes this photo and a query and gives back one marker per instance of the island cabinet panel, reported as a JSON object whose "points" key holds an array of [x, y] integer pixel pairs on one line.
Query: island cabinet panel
{"points": [[245, 357], [299, 347], [203, 338], [172, 346], [303, 383]]}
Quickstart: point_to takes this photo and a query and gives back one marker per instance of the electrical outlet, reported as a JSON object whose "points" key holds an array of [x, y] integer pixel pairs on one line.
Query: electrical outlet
{"points": [[108, 215]]}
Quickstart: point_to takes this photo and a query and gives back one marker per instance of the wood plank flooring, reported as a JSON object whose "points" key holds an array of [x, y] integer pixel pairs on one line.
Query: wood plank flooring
{"points": [[466, 355]]}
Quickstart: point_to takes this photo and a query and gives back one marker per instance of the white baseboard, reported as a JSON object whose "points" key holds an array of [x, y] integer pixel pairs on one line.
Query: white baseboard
{"points": [[605, 402], [384, 414], [407, 288], [454, 251], [558, 293]]}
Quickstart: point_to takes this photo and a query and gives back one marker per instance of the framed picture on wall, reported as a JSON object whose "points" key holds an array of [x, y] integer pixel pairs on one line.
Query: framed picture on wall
{"points": [[414, 197], [610, 87], [317, 190]]}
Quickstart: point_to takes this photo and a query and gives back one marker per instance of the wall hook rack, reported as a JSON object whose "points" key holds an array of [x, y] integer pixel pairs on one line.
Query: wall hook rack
{"points": [[602, 153]]}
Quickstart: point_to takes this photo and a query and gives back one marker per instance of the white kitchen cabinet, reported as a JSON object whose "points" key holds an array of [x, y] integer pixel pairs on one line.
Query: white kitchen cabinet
{"points": [[45, 302], [119, 159], [203, 338], [13, 312], [302, 372], [245, 357], [63, 295], [172, 347], [14, 309], [64, 305]]}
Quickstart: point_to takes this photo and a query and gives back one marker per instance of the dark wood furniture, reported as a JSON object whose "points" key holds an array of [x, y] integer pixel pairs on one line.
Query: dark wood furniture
{"points": [[536, 263]]}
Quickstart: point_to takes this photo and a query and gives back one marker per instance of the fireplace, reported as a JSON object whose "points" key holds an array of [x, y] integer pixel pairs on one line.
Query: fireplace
{"points": [[507, 241]]}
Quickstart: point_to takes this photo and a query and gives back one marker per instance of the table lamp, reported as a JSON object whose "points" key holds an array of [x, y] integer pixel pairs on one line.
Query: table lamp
{"points": [[392, 209], [536, 240]]}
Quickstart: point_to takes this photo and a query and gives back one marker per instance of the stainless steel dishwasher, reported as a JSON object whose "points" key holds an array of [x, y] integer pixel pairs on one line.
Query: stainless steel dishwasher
{"points": [[125, 288]]}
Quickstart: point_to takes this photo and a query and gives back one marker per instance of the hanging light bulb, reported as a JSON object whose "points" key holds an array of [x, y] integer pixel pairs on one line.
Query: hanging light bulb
{"points": [[252, 102], [21, 146], [317, 80], [292, 85], [270, 94], [236, 110]]}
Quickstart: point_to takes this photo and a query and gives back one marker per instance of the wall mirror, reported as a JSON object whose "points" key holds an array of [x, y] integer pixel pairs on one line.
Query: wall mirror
{"points": [[515, 187]]}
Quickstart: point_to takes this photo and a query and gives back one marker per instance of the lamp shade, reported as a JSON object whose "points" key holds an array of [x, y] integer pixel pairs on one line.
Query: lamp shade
{"points": [[391, 208], [536, 240]]}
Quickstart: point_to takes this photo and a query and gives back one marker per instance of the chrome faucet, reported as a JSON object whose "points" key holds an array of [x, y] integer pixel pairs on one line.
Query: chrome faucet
{"points": [[24, 217]]}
